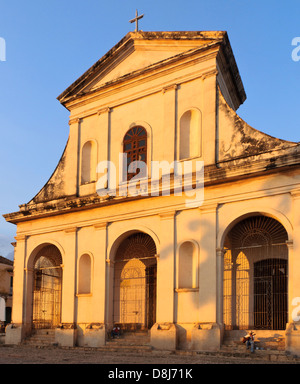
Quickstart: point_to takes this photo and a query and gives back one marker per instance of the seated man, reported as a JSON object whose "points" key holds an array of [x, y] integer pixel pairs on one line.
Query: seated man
{"points": [[249, 340], [116, 331]]}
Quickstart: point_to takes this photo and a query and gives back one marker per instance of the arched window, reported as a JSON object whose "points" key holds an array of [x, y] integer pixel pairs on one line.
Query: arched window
{"points": [[189, 135], [135, 147], [187, 266], [88, 162], [85, 269]]}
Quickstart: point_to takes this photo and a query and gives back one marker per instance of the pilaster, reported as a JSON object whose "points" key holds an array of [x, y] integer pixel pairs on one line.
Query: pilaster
{"points": [[19, 279], [69, 277], [170, 117], [16, 331], [100, 272], [166, 267], [294, 252], [75, 143], [209, 268], [104, 127]]}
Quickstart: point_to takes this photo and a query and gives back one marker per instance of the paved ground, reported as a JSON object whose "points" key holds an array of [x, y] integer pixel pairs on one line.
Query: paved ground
{"points": [[53, 355]]}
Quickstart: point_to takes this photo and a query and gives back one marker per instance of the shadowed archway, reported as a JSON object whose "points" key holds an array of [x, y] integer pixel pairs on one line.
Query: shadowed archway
{"points": [[134, 299], [47, 284], [255, 275]]}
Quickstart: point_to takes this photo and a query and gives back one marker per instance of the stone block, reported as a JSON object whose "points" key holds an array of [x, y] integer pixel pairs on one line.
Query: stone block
{"points": [[292, 338], [163, 336], [94, 335], [14, 334], [206, 337], [66, 335]]}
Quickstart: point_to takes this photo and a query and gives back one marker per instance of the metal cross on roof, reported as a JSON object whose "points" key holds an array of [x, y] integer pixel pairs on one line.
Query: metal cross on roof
{"points": [[136, 20]]}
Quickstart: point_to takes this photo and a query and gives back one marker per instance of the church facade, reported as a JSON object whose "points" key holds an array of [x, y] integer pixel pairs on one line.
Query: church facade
{"points": [[166, 212]]}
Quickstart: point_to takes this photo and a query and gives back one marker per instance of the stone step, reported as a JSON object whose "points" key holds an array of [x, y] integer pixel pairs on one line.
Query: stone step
{"points": [[41, 337], [112, 347], [133, 336], [269, 340], [130, 341], [246, 354]]}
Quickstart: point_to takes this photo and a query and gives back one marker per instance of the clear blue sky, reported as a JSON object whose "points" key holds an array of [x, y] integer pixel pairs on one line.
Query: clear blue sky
{"points": [[49, 44]]}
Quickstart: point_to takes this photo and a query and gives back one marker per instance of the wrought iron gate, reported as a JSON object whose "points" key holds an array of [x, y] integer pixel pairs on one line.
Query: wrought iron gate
{"points": [[255, 277], [46, 294], [270, 294], [134, 305]]}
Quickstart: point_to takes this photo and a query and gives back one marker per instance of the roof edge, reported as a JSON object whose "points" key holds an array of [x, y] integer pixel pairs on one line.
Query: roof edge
{"points": [[141, 35]]}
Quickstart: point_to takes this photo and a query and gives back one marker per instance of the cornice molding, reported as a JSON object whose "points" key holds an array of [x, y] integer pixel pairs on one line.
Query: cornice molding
{"points": [[208, 208], [71, 230], [172, 87], [295, 194], [104, 110], [20, 238], [167, 215], [76, 120], [100, 226]]}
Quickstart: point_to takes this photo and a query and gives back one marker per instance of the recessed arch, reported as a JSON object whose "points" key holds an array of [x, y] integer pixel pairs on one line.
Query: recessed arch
{"points": [[245, 213], [255, 274], [88, 163], [121, 235], [133, 281], [35, 251], [190, 134], [46, 280], [85, 270], [187, 264]]}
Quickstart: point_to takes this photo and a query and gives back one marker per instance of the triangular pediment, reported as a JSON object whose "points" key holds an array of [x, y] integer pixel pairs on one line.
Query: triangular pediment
{"points": [[135, 52]]}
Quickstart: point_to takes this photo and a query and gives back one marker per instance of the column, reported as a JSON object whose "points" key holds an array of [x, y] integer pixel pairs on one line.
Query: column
{"points": [[66, 335], [74, 148], [209, 127], [220, 271], [206, 335], [208, 264], [18, 281], [293, 327], [100, 271], [16, 331], [104, 126], [104, 147], [170, 117], [95, 333], [164, 332], [165, 270]]}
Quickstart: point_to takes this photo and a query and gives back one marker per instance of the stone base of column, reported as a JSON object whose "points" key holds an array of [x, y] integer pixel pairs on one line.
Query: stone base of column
{"points": [[94, 335], [66, 335], [206, 337], [292, 338], [163, 336], [14, 333]]}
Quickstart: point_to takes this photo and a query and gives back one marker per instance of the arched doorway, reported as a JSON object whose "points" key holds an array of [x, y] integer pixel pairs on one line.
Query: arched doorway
{"points": [[134, 302], [255, 275], [47, 283]]}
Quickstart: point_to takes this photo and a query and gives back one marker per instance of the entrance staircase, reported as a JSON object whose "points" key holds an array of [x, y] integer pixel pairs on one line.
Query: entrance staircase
{"points": [[138, 341], [269, 345], [41, 338]]}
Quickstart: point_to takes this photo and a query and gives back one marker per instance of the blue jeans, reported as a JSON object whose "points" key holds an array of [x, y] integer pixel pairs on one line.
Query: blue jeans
{"points": [[250, 343]]}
